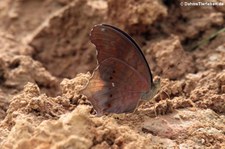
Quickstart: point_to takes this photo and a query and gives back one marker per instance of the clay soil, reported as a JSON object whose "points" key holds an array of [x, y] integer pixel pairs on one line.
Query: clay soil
{"points": [[46, 59]]}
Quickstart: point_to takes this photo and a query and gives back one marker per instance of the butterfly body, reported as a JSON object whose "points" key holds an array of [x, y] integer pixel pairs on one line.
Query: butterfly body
{"points": [[122, 77]]}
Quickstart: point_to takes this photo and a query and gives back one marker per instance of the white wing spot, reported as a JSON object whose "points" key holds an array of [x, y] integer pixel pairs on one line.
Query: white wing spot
{"points": [[113, 84]]}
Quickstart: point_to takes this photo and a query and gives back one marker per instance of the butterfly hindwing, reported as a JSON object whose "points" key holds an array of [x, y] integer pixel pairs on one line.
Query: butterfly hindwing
{"points": [[115, 87]]}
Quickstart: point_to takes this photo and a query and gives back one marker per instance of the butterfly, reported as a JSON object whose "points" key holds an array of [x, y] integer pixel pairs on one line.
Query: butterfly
{"points": [[123, 77]]}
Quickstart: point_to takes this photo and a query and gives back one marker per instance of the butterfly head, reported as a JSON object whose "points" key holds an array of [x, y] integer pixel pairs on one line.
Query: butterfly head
{"points": [[155, 87]]}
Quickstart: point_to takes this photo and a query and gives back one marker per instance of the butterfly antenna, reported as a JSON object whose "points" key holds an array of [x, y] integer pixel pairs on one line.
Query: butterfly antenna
{"points": [[165, 93], [155, 108]]}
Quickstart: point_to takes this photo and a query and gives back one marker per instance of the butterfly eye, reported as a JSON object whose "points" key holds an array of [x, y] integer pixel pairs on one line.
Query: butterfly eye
{"points": [[110, 95], [114, 71], [103, 29], [111, 78]]}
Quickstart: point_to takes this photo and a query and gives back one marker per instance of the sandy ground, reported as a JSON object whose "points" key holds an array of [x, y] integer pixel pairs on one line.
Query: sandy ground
{"points": [[46, 58]]}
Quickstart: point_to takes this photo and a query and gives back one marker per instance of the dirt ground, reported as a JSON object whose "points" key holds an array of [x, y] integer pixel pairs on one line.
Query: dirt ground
{"points": [[46, 58]]}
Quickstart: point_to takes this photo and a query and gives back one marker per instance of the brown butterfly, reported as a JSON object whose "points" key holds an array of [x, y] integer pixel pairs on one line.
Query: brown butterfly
{"points": [[122, 77]]}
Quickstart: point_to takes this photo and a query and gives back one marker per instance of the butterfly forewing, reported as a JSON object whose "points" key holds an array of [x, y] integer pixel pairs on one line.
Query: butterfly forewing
{"points": [[112, 42]]}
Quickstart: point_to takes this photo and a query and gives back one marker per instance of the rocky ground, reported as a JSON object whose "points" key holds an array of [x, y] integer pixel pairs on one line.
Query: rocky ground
{"points": [[46, 58]]}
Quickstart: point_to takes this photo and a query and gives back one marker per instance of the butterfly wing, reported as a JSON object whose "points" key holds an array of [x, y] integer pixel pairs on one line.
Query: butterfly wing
{"points": [[123, 75], [115, 87], [112, 42]]}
